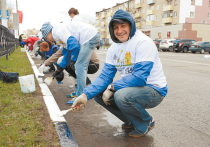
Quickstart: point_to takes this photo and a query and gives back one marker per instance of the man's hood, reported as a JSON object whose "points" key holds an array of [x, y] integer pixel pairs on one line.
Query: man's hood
{"points": [[121, 14]]}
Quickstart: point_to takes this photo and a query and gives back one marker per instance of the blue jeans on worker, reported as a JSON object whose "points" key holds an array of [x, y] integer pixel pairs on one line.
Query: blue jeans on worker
{"points": [[82, 62], [129, 105]]}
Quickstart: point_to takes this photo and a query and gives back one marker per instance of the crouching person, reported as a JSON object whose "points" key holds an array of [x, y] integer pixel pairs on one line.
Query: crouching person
{"points": [[142, 84]]}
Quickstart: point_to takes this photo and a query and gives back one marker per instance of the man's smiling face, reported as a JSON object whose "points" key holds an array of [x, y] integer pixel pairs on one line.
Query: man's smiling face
{"points": [[121, 30]]}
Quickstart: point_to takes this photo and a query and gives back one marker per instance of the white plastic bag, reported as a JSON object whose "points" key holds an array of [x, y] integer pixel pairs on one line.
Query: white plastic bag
{"points": [[27, 83]]}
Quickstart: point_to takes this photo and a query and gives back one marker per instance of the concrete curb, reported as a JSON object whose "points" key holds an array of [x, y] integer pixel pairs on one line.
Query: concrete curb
{"points": [[64, 133]]}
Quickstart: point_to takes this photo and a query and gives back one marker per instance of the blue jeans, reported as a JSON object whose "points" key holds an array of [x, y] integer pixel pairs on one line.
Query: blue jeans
{"points": [[129, 105], [82, 62]]}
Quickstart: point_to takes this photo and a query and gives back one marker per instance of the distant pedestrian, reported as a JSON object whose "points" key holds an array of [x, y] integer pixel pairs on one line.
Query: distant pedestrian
{"points": [[30, 42], [39, 35], [20, 40], [74, 14]]}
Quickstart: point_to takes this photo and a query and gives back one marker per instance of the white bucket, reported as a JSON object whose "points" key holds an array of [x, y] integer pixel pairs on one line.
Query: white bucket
{"points": [[23, 50], [27, 83]]}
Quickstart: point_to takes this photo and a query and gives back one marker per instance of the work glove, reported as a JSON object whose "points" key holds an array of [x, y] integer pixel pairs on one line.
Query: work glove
{"points": [[58, 71], [107, 96], [81, 101], [41, 68]]}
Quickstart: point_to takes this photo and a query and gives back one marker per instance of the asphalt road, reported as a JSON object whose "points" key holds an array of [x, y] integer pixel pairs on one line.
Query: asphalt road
{"points": [[182, 119]]}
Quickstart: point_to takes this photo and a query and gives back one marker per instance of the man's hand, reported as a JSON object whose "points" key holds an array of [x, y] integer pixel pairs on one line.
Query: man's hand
{"points": [[81, 101], [107, 96], [41, 68]]}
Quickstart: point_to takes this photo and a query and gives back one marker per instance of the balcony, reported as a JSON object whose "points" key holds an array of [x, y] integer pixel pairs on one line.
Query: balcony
{"points": [[103, 35], [137, 15], [168, 8], [97, 17], [139, 5], [104, 30], [102, 24], [138, 24], [103, 16], [98, 24], [111, 14], [150, 12], [149, 2], [150, 23], [167, 20]]}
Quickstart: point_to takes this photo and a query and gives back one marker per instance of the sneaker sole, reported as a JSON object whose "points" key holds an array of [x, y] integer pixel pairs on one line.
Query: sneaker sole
{"points": [[71, 97], [149, 129], [136, 136], [127, 127]]}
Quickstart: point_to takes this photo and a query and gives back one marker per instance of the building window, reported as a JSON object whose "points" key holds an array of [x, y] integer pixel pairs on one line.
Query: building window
{"points": [[150, 17], [175, 14], [168, 34], [192, 2], [203, 22], [157, 7], [143, 11], [209, 3], [136, 1], [208, 15], [156, 18], [192, 14], [163, 5], [176, 2], [159, 35]]}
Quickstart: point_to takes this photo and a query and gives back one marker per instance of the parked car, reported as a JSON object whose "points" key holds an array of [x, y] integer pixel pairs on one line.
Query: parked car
{"points": [[201, 46], [184, 45], [176, 45], [166, 45], [157, 43]]}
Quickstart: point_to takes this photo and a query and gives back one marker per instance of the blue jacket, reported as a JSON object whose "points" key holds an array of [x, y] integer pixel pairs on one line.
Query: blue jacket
{"points": [[53, 50], [71, 52]]}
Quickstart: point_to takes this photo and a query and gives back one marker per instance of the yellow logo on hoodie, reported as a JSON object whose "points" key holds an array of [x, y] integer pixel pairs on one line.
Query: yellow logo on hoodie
{"points": [[128, 58]]}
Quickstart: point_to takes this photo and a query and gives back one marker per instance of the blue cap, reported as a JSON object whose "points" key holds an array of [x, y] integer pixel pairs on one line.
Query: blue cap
{"points": [[46, 29]]}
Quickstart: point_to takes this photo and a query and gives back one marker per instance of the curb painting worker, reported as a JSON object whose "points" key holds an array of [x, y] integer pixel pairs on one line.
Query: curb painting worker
{"points": [[142, 84]]}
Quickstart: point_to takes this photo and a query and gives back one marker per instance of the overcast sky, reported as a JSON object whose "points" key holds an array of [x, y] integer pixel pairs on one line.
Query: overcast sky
{"points": [[37, 12]]}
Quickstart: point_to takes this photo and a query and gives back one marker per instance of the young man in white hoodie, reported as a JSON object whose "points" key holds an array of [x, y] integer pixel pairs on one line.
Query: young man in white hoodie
{"points": [[142, 84]]}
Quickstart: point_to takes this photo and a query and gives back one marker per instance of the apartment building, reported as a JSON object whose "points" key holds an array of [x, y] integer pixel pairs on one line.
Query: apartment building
{"points": [[160, 19]]}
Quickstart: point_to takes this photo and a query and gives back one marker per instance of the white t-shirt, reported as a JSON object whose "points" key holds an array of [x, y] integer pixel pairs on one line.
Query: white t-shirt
{"points": [[139, 48], [83, 32], [76, 18]]}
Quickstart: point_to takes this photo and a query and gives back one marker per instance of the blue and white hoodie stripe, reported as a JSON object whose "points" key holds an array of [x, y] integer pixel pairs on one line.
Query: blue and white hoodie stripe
{"points": [[137, 61]]}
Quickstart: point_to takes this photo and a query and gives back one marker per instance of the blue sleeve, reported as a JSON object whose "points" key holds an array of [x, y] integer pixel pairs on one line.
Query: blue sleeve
{"points": [[72, 49], [23, 43], [141, 71], [101, 82]]}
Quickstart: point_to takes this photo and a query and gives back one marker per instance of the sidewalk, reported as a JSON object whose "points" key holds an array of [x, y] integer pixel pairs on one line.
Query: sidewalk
{"points": [[65, 136], [94, 126]]}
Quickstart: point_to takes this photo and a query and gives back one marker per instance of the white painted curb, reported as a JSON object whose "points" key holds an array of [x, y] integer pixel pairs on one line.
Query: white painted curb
{"points": [[49, 100]]}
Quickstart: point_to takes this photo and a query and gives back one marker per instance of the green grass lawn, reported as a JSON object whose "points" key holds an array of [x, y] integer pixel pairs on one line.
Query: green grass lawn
{"points": [[24, 120]]}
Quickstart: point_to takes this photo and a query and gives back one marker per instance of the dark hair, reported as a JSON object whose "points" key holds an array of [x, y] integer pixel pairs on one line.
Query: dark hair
{"points": [[73, 10]]}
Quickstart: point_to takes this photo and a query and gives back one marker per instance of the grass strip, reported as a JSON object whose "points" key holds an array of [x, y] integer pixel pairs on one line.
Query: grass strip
{"points": [[24, 120]]}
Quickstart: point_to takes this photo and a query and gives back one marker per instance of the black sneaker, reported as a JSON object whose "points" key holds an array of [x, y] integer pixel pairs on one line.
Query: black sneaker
{"points": [[135, 133], [127, 126]]}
